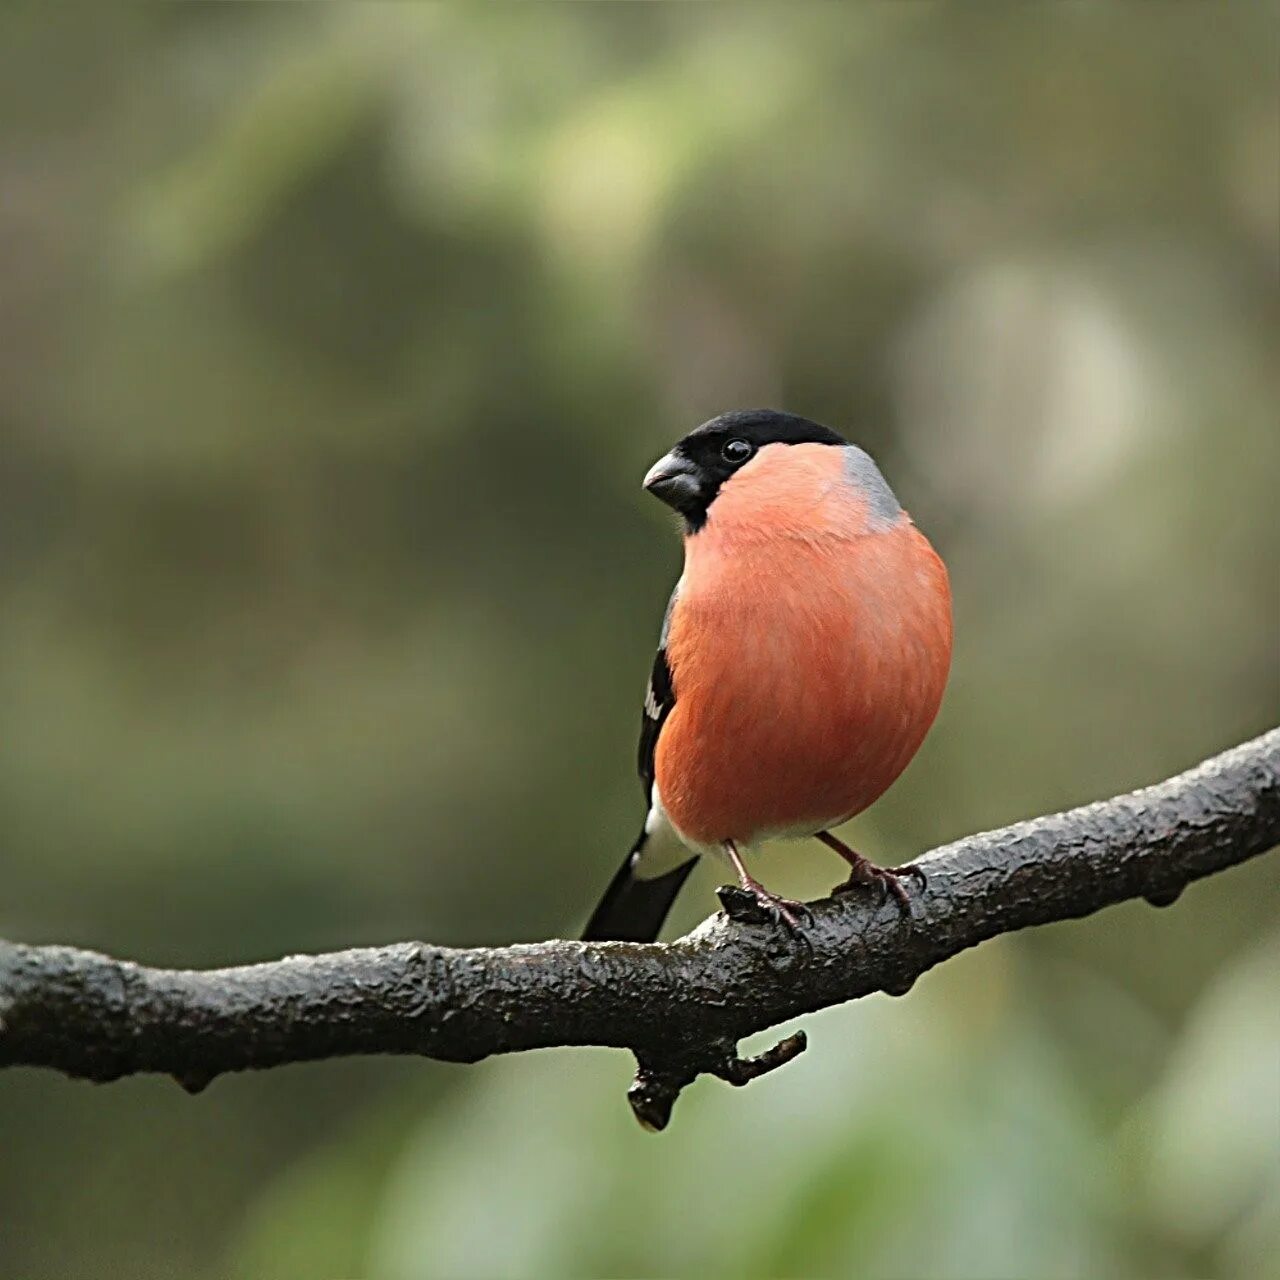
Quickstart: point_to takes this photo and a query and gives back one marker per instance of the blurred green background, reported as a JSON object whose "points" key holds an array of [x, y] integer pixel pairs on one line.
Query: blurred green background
{"points": [[334, 341]]}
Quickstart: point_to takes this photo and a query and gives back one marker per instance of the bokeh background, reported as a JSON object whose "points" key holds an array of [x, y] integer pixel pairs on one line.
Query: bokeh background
{"points": [[334, 341]]}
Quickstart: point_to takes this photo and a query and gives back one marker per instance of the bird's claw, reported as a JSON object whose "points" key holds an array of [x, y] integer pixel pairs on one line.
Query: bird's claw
{"points": [[888, 880], [753, 903], [913, 869], [781, 910], [786, 914]]}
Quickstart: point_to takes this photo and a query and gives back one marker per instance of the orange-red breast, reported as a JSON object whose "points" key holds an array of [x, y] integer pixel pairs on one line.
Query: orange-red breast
{"points": [[802, 659]]}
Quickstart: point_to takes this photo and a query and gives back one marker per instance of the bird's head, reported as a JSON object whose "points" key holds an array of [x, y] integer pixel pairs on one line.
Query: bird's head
{"points": [[754, 449]]}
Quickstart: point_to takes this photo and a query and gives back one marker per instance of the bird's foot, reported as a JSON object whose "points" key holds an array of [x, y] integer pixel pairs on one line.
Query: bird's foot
{"points": [[862, 871], [759, 901], [781, 910], [887, 879], [752, 903]]}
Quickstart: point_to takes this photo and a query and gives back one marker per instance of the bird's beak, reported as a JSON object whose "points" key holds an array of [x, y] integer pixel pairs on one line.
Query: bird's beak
{"points": [[675, 480]]}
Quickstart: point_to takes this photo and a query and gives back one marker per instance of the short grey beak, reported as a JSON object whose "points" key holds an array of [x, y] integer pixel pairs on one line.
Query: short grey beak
{"points": [[675, 480]]}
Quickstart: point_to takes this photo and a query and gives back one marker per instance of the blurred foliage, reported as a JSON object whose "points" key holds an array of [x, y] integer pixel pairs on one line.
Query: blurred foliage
{"points": [[333, 342]]}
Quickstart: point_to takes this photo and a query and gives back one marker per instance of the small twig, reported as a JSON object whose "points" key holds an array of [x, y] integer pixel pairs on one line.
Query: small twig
{"points": [[740, 1071]]}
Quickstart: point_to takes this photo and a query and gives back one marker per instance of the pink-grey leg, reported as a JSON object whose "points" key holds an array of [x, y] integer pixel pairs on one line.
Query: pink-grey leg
{"points": [[864, 872], [784, 909]]}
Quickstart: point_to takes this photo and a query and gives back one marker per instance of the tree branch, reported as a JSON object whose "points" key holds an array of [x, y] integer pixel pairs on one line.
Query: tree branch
{"points": [[681, 1007]]}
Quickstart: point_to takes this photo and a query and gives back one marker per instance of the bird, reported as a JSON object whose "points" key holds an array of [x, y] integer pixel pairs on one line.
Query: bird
{"points": [[802, 659]]}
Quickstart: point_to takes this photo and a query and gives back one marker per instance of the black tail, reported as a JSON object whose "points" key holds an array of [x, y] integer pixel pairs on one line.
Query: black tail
{"points": [[632, 909]]}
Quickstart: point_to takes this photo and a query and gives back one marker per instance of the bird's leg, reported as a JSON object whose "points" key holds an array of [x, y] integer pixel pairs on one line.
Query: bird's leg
{"points": [[785, 909], [864, 871]]}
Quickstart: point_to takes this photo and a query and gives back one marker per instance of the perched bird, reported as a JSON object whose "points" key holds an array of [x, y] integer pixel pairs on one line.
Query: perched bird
{"points": [[802, 659]]}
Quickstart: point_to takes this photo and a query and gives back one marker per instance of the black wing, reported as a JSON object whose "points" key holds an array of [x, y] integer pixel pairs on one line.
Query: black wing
{"points": [[633, 909], [659, 698]]}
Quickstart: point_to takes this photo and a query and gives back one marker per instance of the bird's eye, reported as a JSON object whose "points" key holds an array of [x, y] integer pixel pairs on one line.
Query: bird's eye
{"points": [[736, 451]]}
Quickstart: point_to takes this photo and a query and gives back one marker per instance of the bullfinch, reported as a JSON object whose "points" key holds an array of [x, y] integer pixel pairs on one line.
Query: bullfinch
{"points": [[802, 659]]}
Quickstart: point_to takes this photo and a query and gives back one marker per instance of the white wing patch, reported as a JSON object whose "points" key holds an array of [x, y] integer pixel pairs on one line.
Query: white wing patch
{"points": [[651, 707]]}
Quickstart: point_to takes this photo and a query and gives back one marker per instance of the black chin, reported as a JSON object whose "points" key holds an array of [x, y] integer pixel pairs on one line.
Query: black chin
{"points": [[689, 497]]}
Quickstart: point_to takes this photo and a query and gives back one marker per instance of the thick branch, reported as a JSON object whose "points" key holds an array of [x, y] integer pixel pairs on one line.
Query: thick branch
{"points": [[680, 1007]]}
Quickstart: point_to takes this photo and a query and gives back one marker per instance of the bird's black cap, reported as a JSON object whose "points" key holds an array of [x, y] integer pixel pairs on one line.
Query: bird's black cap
{"points": [[690, 476]]}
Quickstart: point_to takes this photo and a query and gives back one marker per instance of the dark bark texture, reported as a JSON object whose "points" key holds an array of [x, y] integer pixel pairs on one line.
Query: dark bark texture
{"points": [[680, 1007]]}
